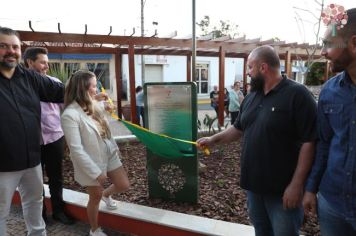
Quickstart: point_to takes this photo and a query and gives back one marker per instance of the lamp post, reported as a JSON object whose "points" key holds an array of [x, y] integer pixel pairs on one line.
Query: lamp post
{"points": [[142, 35], [194, 42]]}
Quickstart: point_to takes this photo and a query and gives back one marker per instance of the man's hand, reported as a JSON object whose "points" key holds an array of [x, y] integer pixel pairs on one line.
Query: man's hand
{"points": [[310, 203], [229, 135], [292, 197], [205, 142], [101, 179]]}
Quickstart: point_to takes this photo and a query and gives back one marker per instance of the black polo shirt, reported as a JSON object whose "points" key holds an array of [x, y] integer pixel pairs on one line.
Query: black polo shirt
{"points": [[20, 116], [274, 127]]}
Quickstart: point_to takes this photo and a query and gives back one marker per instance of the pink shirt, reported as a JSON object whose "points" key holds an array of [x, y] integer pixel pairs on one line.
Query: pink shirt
{"points": [[51, 121]]}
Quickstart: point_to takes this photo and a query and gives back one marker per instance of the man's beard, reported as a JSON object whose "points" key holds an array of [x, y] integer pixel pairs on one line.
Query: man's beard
{"points": [[9, 65], [257, 83], [342, 62]]}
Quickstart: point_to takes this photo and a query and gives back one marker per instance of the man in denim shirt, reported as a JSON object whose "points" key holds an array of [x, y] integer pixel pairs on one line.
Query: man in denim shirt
{"points": [[333, 175]]}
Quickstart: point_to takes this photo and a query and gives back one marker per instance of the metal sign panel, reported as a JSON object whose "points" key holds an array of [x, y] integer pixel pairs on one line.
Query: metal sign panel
{"points": [[171, 109]]}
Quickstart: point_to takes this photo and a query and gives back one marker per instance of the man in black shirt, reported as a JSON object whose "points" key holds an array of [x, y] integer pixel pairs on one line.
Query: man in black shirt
{"points": [[21, 91], [277, 124]]}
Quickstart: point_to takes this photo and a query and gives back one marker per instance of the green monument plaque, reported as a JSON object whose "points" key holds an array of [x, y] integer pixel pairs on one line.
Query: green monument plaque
{"points": [[171, 109]]}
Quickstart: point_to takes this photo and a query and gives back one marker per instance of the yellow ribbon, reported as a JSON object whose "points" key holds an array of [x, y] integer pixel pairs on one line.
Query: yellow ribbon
{"points": [[113, 115]]}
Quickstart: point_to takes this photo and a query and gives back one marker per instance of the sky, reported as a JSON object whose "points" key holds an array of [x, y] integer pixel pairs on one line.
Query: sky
{"points": [[255, 18]]}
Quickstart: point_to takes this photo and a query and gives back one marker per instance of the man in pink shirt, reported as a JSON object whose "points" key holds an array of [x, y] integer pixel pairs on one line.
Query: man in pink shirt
{"points": [[52, 138]]}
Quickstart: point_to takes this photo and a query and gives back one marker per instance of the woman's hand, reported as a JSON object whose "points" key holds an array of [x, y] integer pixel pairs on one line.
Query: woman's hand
{"points": [[101, 97], [109, 107]]}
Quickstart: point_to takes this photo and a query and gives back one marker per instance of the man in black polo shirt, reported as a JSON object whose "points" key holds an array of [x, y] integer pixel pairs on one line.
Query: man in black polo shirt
{"points": [[277, 125], [21, 91]]}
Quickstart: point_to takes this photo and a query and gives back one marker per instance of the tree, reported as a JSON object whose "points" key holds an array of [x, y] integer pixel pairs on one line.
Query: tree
{"points": [[311, 50], [225, 28], [316, 74], [204, 25]]}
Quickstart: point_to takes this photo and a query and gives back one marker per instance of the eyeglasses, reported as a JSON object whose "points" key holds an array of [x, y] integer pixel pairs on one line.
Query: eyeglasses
{"points": [[5, 46]]}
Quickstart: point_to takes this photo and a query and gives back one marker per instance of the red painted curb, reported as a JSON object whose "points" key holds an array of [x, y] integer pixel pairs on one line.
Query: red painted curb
{"points": [[119, 223]]}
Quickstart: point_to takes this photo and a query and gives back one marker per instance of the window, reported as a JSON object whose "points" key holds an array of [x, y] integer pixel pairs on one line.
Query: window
{"points": [[202, 78], [70, 68], [63, 69], [101, 70]]}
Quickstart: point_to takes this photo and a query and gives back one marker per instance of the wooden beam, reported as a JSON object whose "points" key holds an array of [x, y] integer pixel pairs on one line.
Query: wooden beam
{"points": [[234, 48], [239, 45], [221, 86], [118, 76], [125, 40], [81, 50], [132, 83]]}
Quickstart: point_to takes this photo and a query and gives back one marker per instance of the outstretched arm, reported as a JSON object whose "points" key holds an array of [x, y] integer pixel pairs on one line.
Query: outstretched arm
{"points": [[229, 135]]}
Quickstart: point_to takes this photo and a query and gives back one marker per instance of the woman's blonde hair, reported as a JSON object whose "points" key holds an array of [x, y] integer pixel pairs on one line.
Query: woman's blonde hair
{"points": [[77, 90]]}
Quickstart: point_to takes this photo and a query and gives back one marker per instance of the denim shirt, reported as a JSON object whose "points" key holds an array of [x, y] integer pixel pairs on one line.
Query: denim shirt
{"points": [[334, 170]]}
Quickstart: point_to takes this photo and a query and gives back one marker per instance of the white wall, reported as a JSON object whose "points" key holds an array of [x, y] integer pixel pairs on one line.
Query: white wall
{"points": [[233, 70], [174, 69]]}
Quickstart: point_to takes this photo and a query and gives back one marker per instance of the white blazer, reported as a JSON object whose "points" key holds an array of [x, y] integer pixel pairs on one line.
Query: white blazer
{"points": [[83, 139]]}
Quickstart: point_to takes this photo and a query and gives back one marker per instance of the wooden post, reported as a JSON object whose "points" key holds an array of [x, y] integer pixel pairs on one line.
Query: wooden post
{"points": [[244, 77], [221, 86], [189, 68], [132, 83], [288, 64], [118, 76]]}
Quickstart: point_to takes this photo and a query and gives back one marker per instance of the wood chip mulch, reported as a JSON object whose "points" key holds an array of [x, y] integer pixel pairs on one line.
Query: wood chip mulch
{"points": [[220, 196]]}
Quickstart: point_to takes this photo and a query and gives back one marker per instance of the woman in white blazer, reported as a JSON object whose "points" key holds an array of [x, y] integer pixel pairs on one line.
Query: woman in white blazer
{"points": [[93, 151]]}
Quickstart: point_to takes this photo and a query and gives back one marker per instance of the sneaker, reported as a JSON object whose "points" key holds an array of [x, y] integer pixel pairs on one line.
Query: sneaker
{"points": [[110, 203], [97, 232]]}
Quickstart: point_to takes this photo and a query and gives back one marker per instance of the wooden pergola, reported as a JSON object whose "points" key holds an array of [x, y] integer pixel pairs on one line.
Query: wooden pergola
{"points": [[131, 45]]}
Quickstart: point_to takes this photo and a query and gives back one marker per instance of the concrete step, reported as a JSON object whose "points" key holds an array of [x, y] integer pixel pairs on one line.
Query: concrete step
{"points": [[148, 221]]}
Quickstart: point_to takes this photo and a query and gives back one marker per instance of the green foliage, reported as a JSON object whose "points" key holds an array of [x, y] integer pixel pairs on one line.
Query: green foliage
{"points": [[225, 28], [56, 71], [316, 74], [208, 123], [204, 25]]}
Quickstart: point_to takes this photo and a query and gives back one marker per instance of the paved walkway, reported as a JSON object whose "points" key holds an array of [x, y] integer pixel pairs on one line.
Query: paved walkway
{"points": [[16, 226], [118, 129]]}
